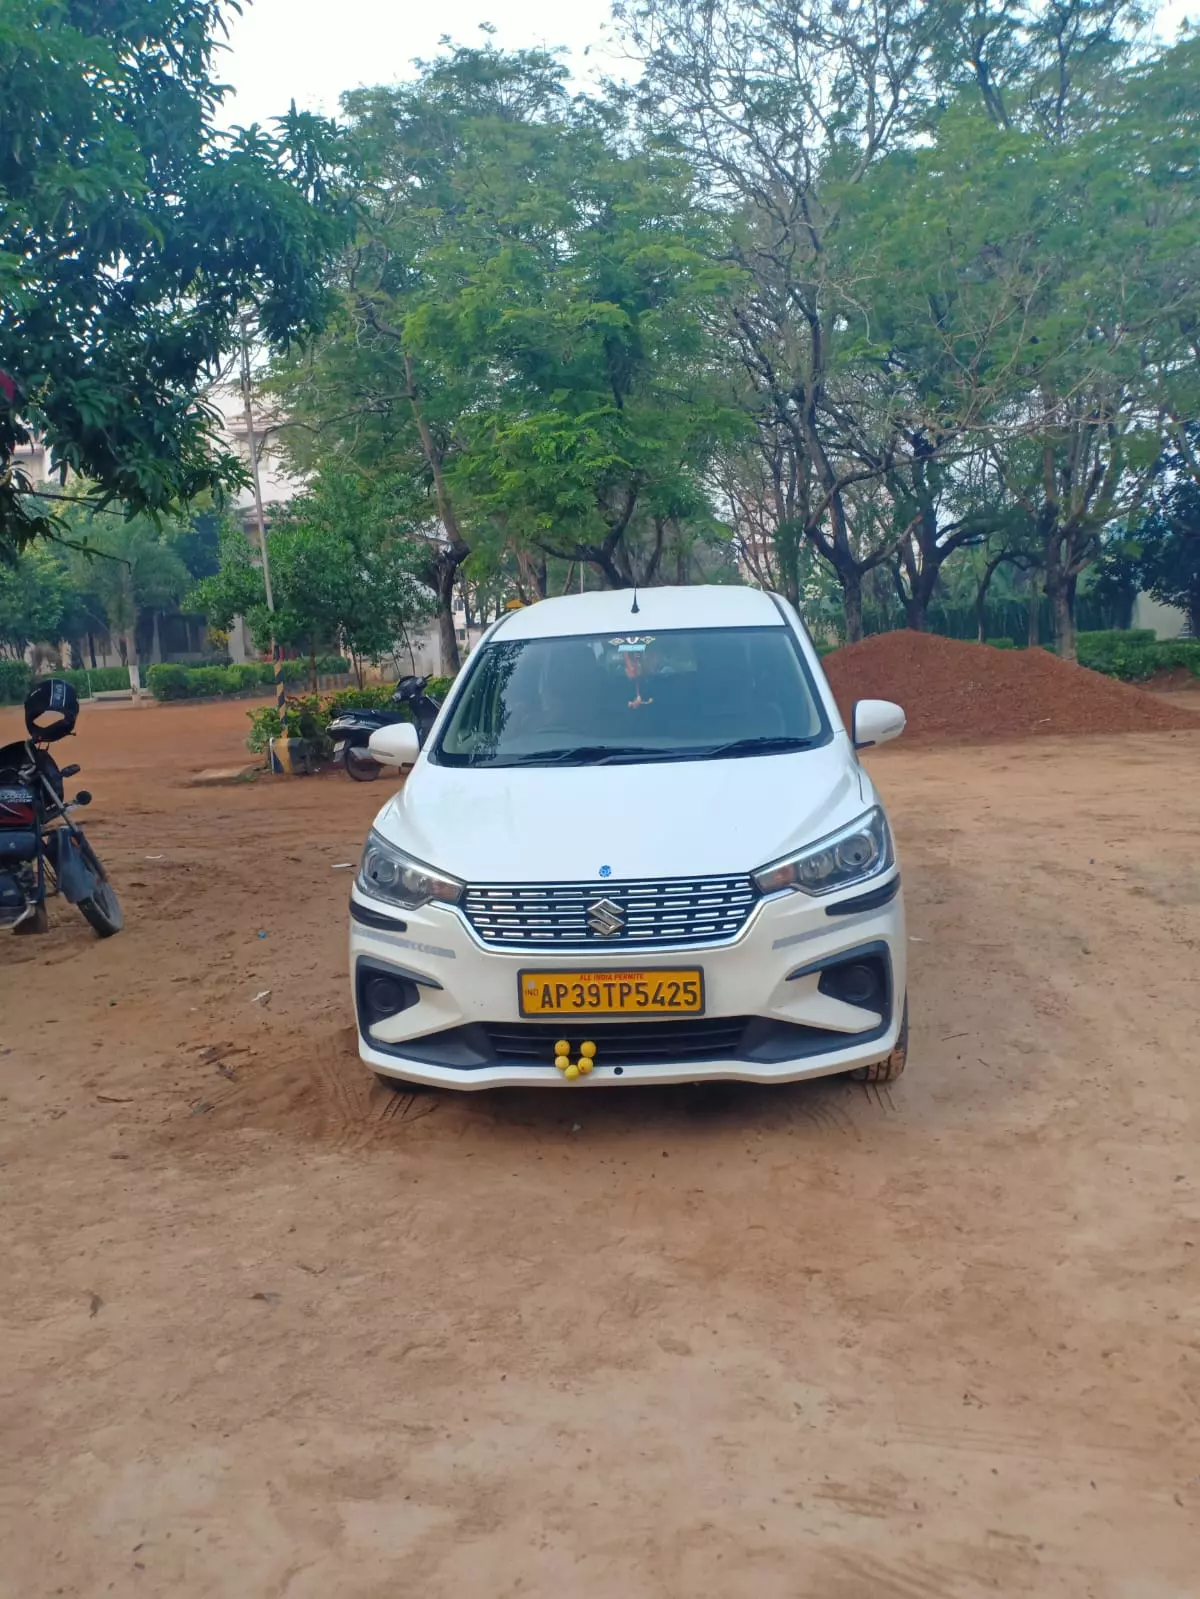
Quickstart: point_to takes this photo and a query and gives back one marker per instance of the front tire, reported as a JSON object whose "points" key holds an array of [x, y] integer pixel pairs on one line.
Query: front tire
{"points": [[362, 768], [102, 908], [887, 1071]]}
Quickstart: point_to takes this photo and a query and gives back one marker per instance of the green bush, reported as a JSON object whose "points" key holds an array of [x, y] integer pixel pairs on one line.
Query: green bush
{"points": [[15, 682], [302, 718], [375, 696], [1174, 652], [1136, 655], [1002, 643], [94, 680], [438, 687], [264, 725]]}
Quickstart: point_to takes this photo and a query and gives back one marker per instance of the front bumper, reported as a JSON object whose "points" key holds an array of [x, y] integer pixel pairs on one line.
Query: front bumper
{"points": [[767, 1018]]}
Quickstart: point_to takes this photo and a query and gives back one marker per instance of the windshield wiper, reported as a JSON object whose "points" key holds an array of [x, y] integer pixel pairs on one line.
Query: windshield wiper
{"points": [[778, 745], [579, 755]]}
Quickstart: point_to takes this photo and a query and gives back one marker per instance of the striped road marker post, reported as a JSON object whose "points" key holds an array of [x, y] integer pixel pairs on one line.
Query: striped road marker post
{"points": [[280, 753]]}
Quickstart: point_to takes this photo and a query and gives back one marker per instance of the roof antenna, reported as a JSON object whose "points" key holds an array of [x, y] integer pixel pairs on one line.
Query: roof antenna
{"points": [[634, 609]]}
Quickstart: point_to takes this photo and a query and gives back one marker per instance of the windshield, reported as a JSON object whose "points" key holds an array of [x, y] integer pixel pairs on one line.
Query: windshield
{"points": [[601, 700]]}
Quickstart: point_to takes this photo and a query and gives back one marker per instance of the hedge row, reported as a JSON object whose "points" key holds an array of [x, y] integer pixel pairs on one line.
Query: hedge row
{"points": [[15, 680], [1135, 655], [171, 682]]}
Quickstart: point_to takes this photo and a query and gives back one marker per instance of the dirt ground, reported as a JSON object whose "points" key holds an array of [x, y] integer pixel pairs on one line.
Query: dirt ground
{"points": [[270, 1332]]}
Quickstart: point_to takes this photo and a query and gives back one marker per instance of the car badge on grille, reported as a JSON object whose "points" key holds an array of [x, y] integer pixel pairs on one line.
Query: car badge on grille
{"points": [[605, 919]]}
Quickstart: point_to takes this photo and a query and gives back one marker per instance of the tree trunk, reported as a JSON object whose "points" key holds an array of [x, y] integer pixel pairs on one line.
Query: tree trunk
{"points": [[445, 571], [135, 671], [312, 664], [916, 611], [1035, 612], [155, 640], [1064, 622], [851, 579], [91, 643]]}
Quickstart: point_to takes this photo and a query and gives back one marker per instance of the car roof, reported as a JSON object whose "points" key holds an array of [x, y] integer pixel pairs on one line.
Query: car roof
{"points": [[658, 610]]}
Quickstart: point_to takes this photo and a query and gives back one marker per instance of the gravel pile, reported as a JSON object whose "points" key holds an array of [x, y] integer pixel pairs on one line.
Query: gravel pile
{"points": [[951, 690]]}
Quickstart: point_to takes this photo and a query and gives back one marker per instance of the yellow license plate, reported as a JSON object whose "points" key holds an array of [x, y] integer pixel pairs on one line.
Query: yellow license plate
{"points": [[654, 993]]}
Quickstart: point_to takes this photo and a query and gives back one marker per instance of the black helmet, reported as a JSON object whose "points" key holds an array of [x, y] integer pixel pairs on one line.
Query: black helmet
{"points": [[57, 700]]}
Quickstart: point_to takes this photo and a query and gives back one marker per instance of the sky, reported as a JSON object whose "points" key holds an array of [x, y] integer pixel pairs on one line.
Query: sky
{"points": [[313, 50]]}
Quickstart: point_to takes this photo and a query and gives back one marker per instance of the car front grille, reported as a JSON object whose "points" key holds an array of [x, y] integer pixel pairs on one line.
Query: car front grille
{"points": [[670, 912], [622, 1043]]}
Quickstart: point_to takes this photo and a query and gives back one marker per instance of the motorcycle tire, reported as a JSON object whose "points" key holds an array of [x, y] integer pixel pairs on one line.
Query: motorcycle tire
{"points": [[102, 909], [361, 767]]}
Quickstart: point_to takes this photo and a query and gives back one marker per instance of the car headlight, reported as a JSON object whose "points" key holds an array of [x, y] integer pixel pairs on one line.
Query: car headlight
{"points": [[387, 873], [851, 855]]}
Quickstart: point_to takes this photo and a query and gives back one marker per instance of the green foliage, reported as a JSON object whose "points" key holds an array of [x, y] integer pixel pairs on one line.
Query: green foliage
{"points": [[529, 351], [133, 235], [33, 599], [15, 682], [96, 680], [308, 717], [169, 681], [341, 568], [1002, 643], [1136, 655], [120, 568], [303, 718], [1168, 541], [373, 696]]}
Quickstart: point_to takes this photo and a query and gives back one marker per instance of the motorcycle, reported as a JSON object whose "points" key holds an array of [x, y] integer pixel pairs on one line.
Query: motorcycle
{"points": [[351, 730], [42, 851]]}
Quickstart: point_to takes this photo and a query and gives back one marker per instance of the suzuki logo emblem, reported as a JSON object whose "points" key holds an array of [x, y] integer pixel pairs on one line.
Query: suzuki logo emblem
{"points": [[605, 919]]}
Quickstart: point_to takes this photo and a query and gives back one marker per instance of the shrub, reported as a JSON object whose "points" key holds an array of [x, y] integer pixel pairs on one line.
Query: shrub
{"points": [[1175, 652], [1002, 643], [438, 687], [94, 680], [375, 696], [302, 718], [1136, 655], [264, 725], [1129, 656], [15, 682]]}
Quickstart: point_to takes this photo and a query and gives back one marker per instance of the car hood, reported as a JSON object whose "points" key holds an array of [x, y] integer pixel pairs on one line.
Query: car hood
{"points": [[669, 819]]}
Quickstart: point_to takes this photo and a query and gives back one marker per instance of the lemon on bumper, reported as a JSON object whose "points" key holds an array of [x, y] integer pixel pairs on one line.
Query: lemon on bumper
{"points": [[562, 1060], [588, 1049], [571, 1073], [562, 1047]]}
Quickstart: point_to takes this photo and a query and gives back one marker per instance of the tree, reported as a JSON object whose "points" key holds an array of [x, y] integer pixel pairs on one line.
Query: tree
{"points": [[1168, 541], [785, 111], [32, 600], [128, 567], [133, 235], [523, 335], [1038, 275], [448, 174], [341, 572]]}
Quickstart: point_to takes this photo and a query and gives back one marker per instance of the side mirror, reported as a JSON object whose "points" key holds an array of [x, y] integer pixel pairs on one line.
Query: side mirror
{"points": [[876, 721], [69, 771], [83, 797], [395, 745]]}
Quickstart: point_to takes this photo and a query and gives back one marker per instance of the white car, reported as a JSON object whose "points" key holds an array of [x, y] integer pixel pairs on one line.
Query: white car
{"points": [[637, 847]]}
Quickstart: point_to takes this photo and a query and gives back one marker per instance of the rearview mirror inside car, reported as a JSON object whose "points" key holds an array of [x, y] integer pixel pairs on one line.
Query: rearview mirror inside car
{"points": [[876, 721], [395, 745]]}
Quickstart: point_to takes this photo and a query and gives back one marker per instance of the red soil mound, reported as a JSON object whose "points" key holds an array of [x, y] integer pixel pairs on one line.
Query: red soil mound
{"points": [[952, 690]]}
